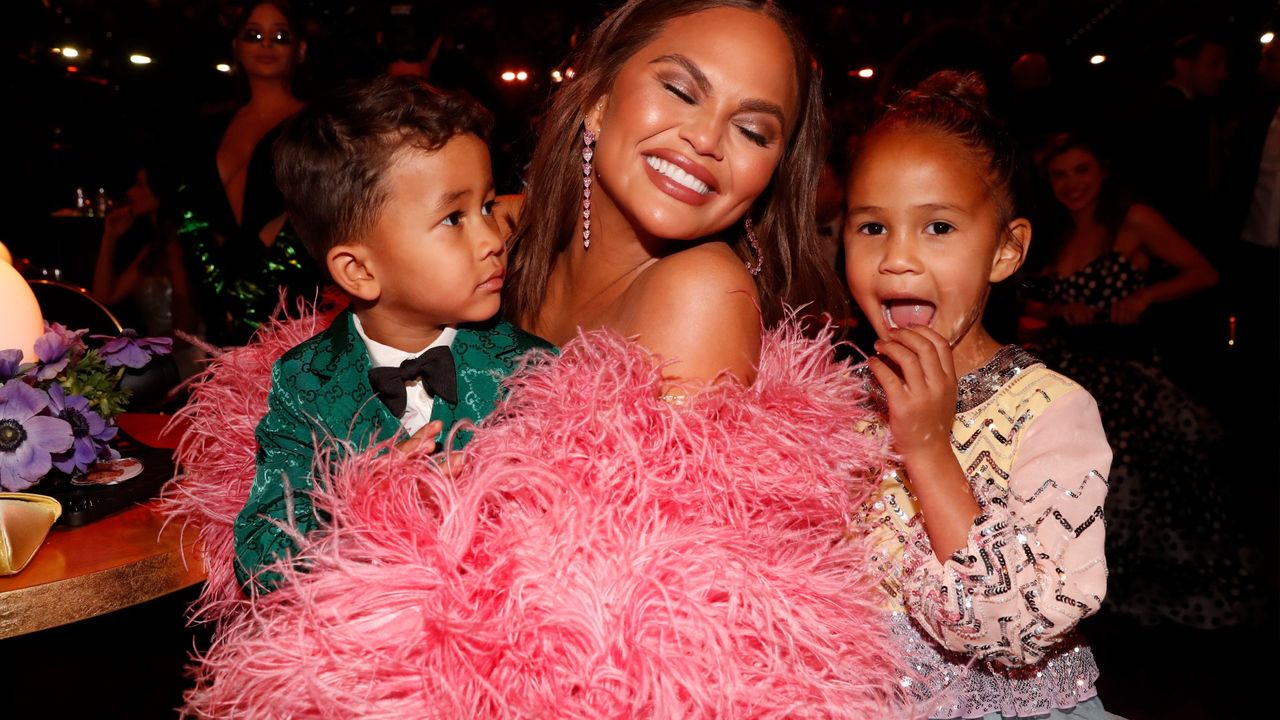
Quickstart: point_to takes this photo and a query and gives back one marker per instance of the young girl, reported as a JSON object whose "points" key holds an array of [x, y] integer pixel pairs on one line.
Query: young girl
{"points": [[991, 534]]}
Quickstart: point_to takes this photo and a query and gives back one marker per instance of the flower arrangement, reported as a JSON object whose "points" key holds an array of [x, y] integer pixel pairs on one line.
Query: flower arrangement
{"points": [[58, 413]]}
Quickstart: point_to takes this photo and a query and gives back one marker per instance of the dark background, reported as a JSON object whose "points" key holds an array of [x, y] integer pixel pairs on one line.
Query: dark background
{"points": [[87, 122]]}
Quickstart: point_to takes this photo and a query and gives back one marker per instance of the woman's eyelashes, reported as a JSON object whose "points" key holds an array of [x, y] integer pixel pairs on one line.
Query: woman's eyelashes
{"points": [[754, 136], [685, 97], [691, 98]]}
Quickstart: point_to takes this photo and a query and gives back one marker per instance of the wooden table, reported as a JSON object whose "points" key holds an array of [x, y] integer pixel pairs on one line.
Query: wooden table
{"points": [[116, 562], [121, 560]]}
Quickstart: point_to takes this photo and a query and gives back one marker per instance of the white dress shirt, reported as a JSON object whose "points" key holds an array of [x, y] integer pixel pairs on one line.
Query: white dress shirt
{"points": [[417, 408], [1262, 227]]}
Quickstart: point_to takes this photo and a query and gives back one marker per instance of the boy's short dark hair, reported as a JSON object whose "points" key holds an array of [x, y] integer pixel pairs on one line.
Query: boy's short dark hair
{"points": [[332, 156]]}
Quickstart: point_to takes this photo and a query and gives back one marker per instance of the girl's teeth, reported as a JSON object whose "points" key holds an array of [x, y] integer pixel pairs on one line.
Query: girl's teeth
{"points": [[669, 170]]}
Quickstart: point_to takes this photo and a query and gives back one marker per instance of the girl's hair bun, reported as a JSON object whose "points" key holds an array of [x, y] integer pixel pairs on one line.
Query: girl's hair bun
{"points": [[954, 103], [963, 87]]}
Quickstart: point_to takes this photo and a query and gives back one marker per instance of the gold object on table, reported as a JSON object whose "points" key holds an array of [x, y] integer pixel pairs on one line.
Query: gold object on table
{"points": [[25, 519]]}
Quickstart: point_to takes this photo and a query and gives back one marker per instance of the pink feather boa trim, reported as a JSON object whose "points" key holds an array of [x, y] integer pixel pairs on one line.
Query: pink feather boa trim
{"points": [[599, 553]]}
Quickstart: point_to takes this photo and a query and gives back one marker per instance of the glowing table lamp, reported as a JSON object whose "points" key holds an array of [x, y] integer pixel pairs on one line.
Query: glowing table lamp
{"points": [[20, 319], [6, 258]]}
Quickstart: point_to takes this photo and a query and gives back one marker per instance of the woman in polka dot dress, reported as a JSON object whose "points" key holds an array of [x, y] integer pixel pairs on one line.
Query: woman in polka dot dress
{"points": [[1172, 553]]}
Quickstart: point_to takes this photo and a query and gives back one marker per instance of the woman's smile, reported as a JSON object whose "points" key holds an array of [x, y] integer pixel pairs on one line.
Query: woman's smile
{"points": [[680, 177], [691, 130]]}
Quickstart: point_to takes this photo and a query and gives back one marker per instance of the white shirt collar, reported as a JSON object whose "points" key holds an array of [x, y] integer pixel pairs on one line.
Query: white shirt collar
{"points": [[387, 356]]}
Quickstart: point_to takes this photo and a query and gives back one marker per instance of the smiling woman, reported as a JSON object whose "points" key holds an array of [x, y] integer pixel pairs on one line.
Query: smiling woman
{"points": [[240, 250], [697, 125], [1111, 265], [621, 540]]}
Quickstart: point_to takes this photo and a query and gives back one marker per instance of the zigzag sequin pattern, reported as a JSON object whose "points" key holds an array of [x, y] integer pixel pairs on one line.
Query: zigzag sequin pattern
{"points": [[1034, 563]]}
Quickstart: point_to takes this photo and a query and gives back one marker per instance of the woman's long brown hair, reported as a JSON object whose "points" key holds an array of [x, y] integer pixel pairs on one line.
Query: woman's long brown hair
{"points": [[793, 269]]}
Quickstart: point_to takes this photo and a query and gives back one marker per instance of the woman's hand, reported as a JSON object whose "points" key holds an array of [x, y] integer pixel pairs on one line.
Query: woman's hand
{"points": [[424, 440], [1129, 310], [916, 370], [110, 287], [116, 224]]}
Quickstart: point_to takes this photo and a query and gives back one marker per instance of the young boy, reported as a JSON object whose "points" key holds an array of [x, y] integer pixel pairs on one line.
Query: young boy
{"points": [[390, 187]]}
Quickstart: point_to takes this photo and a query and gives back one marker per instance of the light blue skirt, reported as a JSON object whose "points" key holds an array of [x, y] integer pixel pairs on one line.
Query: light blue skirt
{"points": [[1090, 709]]}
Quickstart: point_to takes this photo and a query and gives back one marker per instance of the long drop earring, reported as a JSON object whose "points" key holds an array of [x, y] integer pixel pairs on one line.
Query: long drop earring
{"points": [[588, 139], [755, 248]]}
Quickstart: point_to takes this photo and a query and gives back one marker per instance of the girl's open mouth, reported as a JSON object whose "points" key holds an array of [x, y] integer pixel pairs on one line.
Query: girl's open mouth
{"points": [[906, 312]]}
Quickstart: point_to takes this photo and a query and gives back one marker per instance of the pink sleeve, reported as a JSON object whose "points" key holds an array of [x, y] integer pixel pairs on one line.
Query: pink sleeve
{"points": [[1034, 565]]}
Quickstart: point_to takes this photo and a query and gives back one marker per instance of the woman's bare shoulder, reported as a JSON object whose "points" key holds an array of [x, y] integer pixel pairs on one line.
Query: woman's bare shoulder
{"points": [[698, 306], [1145, 228], [704, 270], [1142, 216]]}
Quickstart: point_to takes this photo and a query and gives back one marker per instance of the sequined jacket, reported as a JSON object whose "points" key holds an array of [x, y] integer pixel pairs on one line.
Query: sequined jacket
{"points": [[237, 279], [991, 629], [320, 390]]}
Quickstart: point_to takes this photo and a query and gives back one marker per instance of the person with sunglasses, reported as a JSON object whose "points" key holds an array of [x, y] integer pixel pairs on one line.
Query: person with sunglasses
{"points": [[240, 248]]}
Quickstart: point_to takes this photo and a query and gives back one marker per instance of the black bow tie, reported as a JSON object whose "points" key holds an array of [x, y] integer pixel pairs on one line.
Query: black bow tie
{"points": [[434, 367]]}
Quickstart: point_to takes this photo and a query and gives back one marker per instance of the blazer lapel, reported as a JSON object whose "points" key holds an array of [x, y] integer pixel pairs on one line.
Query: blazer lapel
{"points": [[477, 357], [350, 402], [484, 354]]}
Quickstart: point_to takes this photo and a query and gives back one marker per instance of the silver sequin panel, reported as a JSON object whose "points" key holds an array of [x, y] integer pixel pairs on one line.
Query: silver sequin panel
{"points": [[951, 685]]}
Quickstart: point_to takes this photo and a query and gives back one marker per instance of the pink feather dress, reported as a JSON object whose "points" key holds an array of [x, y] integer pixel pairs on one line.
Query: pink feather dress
{"points": [[595, 552]]}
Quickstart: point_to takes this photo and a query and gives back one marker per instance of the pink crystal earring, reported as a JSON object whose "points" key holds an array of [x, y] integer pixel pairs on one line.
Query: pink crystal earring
{"points": [[755, 248], [588, 139]]}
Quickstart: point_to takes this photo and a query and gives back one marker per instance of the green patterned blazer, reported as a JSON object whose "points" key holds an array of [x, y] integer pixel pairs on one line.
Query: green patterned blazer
{"points": [[320, 391]]}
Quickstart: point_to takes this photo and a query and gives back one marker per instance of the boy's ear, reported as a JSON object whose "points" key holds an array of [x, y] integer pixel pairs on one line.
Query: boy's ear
{"points": [[1012, 251], [594, 119], [350, 268]]}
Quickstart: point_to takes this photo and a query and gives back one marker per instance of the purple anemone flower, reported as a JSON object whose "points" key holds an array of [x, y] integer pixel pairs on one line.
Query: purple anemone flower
{"points": [[10, 364], [27, 438], [130, 350], [54, 349], [90, 433]]}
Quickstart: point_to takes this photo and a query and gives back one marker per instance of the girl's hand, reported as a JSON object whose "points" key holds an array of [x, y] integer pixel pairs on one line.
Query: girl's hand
{"points": [[116, 224], [917, 372], [1129, 310], [916, 369], [1077, 314]]}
